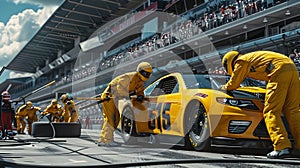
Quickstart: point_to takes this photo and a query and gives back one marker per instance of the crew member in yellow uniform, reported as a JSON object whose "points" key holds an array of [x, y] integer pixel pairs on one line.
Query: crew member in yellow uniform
{"points": [[70, 113], [120, 88], [22, 112], [282, 93], [31, 116], [54, 109]]}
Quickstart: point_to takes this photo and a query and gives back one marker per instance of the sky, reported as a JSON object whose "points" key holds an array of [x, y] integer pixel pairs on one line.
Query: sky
{"points": [[19, 21]]}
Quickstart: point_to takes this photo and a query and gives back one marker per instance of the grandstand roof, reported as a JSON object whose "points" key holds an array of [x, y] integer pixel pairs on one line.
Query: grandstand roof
{"points": [[73, 19]]}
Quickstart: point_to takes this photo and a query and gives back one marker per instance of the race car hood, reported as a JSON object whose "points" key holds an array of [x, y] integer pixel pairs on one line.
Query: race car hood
{"points": [[248, 92]]}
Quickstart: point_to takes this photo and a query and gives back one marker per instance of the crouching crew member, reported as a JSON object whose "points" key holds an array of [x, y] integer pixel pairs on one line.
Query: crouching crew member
{"points": [[31, 116], [70, 113], [54, 109], [21, 114]]}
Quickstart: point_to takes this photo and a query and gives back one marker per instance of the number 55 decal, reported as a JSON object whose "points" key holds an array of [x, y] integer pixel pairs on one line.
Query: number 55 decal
{"points": [[157, 112]]}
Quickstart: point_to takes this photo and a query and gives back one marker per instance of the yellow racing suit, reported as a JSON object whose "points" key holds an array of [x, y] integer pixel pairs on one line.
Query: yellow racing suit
{"points": [[31, 117], [282, 92], [20, 116], [55, 111], [70, 113], [120, 87]]}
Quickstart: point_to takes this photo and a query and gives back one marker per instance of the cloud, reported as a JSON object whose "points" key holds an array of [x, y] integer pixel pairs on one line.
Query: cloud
{"points": [[39, 2], [16, 33], [19, 30]]}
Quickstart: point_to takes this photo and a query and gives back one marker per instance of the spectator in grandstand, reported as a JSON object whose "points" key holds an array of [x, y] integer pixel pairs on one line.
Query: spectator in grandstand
{"points": [[282, 93], [292, 56], [70, 112], [296, 59], [222, 71], [54, 110], [270, 3], [119, 88], [216, 71], [264, 4]]}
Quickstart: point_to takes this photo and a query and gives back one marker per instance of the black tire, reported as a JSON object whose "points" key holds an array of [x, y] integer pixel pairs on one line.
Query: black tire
{"points": [[197, 127], [44, 129], [128, 127], [1, 134]]}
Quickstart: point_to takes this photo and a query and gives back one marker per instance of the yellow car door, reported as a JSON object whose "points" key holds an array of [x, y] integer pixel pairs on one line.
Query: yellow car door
{"points": [[163, 113]]}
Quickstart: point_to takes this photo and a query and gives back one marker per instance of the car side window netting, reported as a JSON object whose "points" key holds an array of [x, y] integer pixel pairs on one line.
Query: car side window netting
{"points": [[168, 85]]}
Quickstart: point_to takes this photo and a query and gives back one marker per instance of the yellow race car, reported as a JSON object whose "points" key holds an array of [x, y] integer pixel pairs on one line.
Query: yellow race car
{"points": [[190, 109]]}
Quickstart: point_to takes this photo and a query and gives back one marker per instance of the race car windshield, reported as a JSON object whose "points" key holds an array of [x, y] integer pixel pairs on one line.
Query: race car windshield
{"points": [[204, 81], [197, 81]]}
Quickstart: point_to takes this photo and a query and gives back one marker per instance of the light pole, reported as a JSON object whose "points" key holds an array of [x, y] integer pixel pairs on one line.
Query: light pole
{"points": [[266, 26]]}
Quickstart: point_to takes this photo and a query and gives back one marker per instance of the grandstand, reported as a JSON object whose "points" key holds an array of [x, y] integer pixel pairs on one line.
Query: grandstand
{"points": [[84, 44]]}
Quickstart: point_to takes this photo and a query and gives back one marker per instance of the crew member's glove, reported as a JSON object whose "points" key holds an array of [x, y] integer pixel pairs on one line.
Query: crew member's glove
{"points": [[222, 87], [99, 101], [140, 98], [42, 116], [107, 98]]}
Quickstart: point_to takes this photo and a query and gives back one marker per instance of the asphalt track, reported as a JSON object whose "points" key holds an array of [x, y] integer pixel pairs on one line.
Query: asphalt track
{"points": [[27, 151]]}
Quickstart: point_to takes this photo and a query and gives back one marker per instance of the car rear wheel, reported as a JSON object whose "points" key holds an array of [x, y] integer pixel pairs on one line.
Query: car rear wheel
{"points": [[197, 127], [128, 128]]}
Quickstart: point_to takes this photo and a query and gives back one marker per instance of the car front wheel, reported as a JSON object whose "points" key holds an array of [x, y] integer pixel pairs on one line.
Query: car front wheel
{"points": [[197, 127], [128, 128]]}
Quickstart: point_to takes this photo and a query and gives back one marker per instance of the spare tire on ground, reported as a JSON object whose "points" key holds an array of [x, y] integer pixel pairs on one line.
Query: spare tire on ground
{"points": [[46, 129]]}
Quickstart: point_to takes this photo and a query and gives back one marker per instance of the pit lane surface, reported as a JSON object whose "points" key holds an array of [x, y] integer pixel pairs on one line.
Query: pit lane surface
{"points": [[27, 151]]}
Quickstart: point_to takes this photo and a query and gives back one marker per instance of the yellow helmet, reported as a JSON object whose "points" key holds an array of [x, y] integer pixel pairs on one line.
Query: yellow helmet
{"points": [[63, 97], [228, 61], [144, 70], [29, 104], [54, 102]]}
